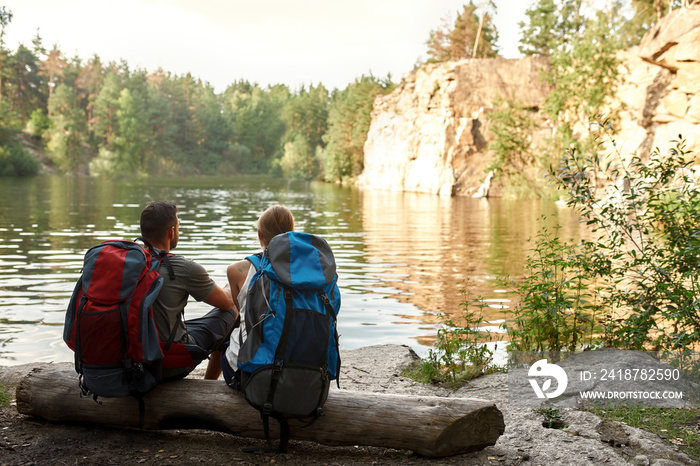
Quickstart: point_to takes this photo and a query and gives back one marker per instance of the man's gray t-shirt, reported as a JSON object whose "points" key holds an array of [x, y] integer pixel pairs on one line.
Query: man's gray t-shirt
{"points": [[191, 279]]}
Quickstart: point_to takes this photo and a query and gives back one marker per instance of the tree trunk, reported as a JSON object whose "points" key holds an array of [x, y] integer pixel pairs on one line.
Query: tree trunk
{"points": [[478, 35], [428, 425]]}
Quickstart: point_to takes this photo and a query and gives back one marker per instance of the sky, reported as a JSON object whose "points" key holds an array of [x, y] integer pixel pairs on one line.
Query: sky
{"points": [[293, 42]]}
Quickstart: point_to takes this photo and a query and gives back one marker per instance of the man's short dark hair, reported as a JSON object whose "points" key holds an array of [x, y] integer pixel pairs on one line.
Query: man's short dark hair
{"points": [[157, 218]]}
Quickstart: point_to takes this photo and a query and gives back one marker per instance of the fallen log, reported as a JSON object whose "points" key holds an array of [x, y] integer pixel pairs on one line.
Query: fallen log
{"points": [[429, 426]]}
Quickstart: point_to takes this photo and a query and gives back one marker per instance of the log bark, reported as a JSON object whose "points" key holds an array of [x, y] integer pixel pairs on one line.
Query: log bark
{"points": [[429, 426]]}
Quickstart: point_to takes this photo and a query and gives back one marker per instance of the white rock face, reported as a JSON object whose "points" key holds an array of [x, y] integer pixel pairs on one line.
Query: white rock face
{"points": [[431, 134]]}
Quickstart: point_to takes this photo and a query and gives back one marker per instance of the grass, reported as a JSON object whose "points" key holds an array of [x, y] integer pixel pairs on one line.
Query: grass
{"points": [[552, 417], [680, 427], [5, 395], [420, 373]]}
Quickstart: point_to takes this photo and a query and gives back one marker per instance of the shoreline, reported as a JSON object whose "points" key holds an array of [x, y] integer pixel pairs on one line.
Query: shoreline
{"points": [[585, 440]]}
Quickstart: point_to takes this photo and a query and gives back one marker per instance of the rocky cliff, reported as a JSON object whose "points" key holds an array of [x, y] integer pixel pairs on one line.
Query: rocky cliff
{"points": [[431, 134], [660, 97]]}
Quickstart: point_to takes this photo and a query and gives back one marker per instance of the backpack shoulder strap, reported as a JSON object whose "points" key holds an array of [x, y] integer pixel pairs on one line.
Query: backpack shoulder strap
{"points": [[160, 256], [255, 260]]}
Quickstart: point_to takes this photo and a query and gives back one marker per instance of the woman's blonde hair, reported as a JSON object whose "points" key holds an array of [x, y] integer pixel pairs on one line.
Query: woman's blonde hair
{"points": [[275, 220]]}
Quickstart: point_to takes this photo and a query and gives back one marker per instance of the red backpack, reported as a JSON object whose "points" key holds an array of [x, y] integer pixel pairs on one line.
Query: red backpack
{"points": [[110, 327]]}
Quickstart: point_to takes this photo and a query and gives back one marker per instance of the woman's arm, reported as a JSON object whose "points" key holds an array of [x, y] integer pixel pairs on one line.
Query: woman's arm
{"points": [[237, 273]]}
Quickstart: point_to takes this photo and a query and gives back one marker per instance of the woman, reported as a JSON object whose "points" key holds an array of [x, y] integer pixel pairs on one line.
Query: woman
{"points": [[274, 221]]}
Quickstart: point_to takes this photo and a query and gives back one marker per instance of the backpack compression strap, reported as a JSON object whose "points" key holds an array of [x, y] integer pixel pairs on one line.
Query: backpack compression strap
{"points": [[334, 320]]}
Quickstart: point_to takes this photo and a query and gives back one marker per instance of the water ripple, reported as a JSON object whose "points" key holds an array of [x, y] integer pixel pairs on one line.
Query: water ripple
{"points": [[402, 258]]}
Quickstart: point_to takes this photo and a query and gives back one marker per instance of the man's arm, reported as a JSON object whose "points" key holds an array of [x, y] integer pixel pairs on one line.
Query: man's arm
{"points": [[222, 299]]}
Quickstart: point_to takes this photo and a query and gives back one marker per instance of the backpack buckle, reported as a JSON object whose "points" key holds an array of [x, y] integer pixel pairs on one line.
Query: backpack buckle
{"points": [[267, 409]]}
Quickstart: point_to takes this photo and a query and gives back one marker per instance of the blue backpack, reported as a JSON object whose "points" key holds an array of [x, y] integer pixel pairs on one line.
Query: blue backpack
{"points": [[291, 352]]}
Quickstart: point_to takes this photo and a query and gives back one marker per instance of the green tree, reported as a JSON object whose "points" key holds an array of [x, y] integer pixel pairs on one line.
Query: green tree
{"points": [[71, 72], [349, 117], [5, 20], [103, 124], [10, 122], [584, 76], [25, 86], [66, 132], [643, 15], [88, 83], [183, 145], [14, 159], [651, 11], [307, 114], [131, 139], [298, 160], [538, 34], [551, 26], [512, 126], [158, 115], [212, 130], [255, 117]]}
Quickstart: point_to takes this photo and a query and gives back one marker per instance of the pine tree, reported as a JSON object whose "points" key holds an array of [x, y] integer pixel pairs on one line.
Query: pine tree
{"points": [[551, 26], [52, 68], [24, 85], [88, 84], [469, 36]]}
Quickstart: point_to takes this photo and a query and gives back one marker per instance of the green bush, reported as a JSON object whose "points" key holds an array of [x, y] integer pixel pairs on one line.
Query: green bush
{"points": [[459, 353], [558, 306], [16, 161], [512, 128], [647, 243], [38, 123]]}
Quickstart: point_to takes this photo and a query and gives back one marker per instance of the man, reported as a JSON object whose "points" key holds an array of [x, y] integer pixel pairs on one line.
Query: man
{"points": [[184, 278]]}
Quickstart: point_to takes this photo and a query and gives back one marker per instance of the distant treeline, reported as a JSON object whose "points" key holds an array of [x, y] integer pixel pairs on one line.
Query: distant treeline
{"points": [[106, 119], [110, 120]]}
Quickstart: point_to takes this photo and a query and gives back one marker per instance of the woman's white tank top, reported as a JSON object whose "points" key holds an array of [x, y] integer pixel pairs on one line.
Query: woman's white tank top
{"points": [[239, 335]]}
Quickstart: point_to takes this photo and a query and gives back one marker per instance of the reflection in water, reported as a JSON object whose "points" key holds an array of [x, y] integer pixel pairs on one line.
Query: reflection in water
{"points": [[430, 248], [402, 257]]}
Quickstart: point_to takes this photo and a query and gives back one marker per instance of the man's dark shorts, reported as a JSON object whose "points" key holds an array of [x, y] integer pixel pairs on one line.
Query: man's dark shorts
{"points": [[212, 330], [209, 333]]}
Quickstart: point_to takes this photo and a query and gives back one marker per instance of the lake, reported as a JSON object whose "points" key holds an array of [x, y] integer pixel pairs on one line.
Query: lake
{"points": [[402, 257]]}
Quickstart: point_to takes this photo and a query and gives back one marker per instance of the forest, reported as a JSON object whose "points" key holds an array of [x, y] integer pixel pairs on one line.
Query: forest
{"points": [[106, 119]]}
